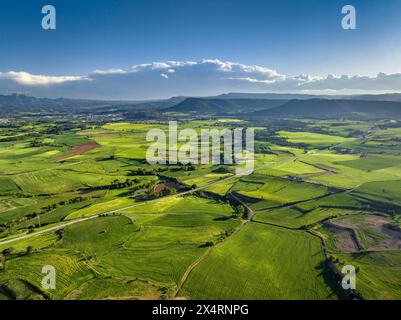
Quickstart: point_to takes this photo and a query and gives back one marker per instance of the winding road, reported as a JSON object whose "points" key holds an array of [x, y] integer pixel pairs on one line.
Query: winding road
{"points": [[63, 225]]}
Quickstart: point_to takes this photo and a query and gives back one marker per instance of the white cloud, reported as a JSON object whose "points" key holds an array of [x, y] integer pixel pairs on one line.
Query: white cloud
{"points": [[204, 77], [110, 71], [25, 78], [253, 80]]}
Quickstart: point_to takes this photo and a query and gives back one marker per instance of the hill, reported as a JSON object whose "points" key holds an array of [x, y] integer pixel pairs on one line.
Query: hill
{"points": [[223, 106], [320, 108], [295, 96], [17, 103]]}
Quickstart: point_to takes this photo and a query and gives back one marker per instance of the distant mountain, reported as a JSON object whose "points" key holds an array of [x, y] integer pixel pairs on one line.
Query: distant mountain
{"points": [[21, 101], [379, 97], [271, 106], [157, 104], [223, 106], [26, 102], [295, 96], [17, 103], [320, 108], [272, 96]]}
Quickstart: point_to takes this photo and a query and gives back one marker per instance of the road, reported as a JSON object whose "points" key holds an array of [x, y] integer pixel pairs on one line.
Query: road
{"points": [[63, 225], [251, 213]]}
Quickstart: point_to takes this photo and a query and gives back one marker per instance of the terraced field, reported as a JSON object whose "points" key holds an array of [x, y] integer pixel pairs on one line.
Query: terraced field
{"points": [[261, 262], [116, 227]]}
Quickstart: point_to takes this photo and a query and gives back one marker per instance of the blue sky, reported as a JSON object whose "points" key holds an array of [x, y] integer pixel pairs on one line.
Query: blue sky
{"points": [[289, 37]]}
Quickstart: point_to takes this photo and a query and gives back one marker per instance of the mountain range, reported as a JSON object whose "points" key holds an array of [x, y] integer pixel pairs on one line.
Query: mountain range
{"points": [[244, 105]]}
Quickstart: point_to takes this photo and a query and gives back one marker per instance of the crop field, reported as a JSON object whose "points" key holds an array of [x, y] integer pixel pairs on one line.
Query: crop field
{"points": [[315, 140], [278, 190], [378, 273], [293, 217], [295, 168], [372, 163], [390, 190], [255, 264], [80, 196]]}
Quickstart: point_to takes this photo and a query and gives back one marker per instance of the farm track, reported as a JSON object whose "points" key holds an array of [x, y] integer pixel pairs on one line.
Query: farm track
{"points": [[189, 270], [251, 214], [203, 257], [42, 170], [111, 212]]}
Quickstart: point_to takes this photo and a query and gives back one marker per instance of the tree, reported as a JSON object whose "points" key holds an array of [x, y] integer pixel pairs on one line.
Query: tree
{"points": [[239, 210], [209, 244], [8, 251]]}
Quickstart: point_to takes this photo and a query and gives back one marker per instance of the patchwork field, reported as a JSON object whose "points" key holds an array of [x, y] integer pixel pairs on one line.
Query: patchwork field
{"points": [[261, 262], [315, 140], [82, 197]]}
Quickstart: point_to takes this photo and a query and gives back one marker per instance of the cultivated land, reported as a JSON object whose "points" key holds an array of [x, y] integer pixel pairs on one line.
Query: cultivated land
{"points": [[79, 195]]}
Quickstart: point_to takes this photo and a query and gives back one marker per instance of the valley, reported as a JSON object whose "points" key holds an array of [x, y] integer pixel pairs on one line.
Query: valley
{"points": [[78, 194]]}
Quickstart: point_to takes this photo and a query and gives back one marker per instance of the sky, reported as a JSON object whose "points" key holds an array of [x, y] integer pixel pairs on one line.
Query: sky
{"points": [[131, 49]]}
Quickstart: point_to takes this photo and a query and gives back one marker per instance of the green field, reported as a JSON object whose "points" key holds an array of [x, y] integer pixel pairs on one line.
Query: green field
{"points": [[127, 229], [378, 273], [278, 190], [261, 262], [313, 139]]}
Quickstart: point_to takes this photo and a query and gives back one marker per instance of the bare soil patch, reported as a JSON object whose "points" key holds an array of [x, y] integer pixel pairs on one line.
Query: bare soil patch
{"points": [[376, 231], [167, 185], [102, 132], [345, 238], [77, 150]]}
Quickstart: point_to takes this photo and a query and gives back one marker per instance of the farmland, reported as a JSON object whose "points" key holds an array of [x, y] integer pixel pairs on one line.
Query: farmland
{"points": [[80, 196], [261, 251]]}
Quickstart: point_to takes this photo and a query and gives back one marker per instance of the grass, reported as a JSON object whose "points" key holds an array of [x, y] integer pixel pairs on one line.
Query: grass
{"points": [[294, 168], [100, 236], [338, 200], [127, 288], [186, 204], [206, 179], [145, 251], [7, 185], [372, 162], [390, 190], [261, 262], [100, 208], [293, 218], [313, 139], [222, 188], [71, 271], [346, 176], [378, 273], [278, 190], [164, 247], [36, 243]]}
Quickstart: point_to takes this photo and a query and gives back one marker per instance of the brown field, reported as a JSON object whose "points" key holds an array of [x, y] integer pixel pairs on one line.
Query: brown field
{"points": [[387, 237], [346, 240], [101, 133], [77, 150]]}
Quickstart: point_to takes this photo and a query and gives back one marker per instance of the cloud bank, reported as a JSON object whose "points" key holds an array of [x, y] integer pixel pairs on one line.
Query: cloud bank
{"points": [[188, 78]]}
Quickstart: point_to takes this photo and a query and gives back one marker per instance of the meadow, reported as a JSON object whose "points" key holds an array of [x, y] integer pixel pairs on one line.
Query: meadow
{"points": [[261, 262], [116, 227]]}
